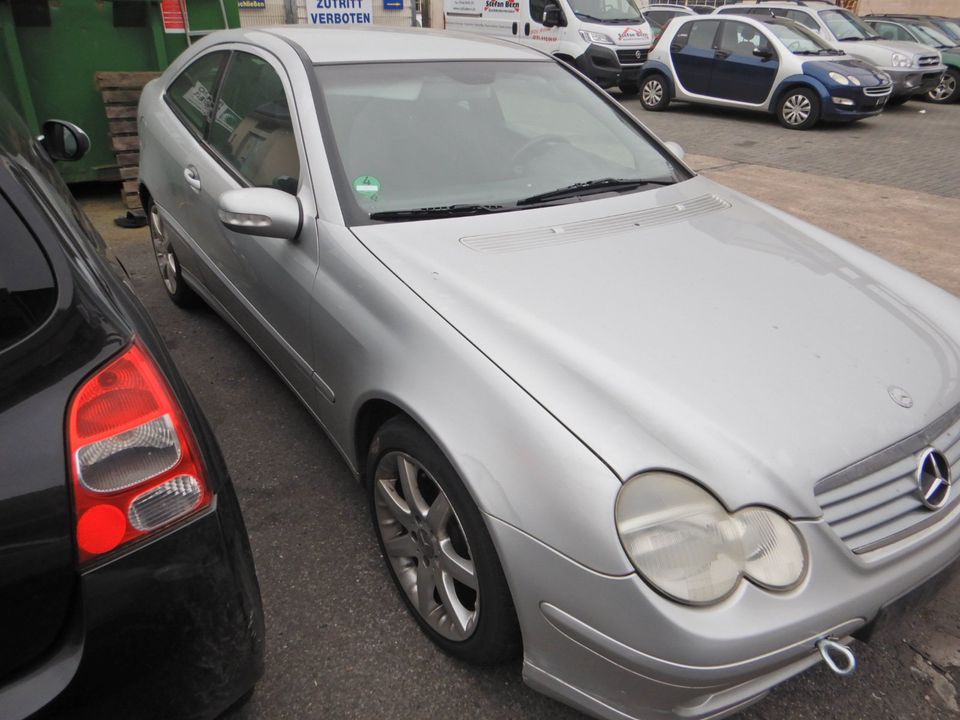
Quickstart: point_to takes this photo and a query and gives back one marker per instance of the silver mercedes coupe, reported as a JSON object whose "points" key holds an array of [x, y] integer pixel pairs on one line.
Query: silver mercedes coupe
{"points": [[672, 445]]}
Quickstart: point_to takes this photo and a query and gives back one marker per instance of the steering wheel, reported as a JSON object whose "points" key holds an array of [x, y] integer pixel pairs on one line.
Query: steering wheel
{"points": [[535, 143]]}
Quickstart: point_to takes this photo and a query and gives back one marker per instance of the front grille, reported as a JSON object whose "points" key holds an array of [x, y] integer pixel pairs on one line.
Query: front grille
{"points": [[876, 501], [632, 57], [878, 91], [929, 61]]}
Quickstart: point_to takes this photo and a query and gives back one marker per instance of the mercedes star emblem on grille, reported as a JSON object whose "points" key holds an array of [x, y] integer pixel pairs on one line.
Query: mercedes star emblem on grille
{"points": [[933, 478]]}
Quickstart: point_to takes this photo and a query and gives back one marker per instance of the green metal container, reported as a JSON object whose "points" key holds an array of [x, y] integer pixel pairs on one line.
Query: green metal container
{"points": [[51, 49]]}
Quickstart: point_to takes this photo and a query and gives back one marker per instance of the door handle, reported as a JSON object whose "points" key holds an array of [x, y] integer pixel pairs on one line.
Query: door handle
{"points": [[526, 28], [192, 177]]}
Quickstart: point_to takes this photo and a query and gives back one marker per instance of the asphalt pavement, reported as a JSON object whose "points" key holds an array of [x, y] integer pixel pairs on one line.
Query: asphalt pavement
{"points": [[340, 643]]}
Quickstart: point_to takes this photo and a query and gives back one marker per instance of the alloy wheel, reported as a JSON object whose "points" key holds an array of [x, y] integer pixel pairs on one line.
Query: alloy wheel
{"points": [[652, 92], [426, 546], [166, 260], [946, 88], [797, 109]]}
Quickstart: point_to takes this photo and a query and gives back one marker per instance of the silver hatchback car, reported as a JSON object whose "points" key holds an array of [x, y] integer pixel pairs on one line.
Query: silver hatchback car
{"points": [[674, 445]]}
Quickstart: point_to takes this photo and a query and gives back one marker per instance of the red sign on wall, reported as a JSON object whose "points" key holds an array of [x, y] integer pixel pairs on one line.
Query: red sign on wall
{"points": [[172, 16]]}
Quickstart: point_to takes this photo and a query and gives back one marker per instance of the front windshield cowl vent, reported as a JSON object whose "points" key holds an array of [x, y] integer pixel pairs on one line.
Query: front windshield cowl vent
{"points": [[590, 229]]}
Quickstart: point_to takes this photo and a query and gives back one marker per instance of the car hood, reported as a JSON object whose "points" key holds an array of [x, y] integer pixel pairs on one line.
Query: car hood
{"points": [[867, 74], [878, 51], [692, 328]]}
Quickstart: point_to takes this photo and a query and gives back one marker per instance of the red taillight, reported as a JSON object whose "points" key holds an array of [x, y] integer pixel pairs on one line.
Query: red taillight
{"points": [[134, 462]]}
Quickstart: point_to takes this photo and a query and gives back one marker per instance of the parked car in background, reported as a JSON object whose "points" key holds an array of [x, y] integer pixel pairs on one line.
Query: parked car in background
{"points": [[950, 27], [924, 32], [760, 63], [915, 69], [659, 15], [606, 40], [672, 444], [127, 587]]}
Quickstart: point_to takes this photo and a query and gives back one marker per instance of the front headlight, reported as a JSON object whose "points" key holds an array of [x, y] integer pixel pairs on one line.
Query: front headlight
{"points": [[838, 78], [854, 80], [595, 37], [898, 60], [686, 545]]}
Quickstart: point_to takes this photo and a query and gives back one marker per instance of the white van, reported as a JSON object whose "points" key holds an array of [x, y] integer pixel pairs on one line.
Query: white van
{"points": [[607, 40]]}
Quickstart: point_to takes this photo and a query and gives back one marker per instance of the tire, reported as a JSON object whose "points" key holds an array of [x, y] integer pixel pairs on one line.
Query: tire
{"points": [[170, 272], [629, 87], [949, 89], [798, 109], [439, 539], [654, 93]]}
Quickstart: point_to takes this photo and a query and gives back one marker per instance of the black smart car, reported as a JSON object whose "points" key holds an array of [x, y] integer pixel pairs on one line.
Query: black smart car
{"points": [[127, 586]]}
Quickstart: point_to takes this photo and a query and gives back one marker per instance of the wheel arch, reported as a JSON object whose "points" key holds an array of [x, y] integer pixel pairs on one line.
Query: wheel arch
{"points": [[655, 67], [144, 194], [796, 81], [369, 418]]}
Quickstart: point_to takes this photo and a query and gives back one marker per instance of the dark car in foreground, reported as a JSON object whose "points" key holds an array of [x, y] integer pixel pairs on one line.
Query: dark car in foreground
{"points": [[127, 585]]}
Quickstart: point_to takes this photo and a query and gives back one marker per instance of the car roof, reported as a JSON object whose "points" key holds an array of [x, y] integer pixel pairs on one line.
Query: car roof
{"points": [[682, 9], [388, 44], [786, 4]]}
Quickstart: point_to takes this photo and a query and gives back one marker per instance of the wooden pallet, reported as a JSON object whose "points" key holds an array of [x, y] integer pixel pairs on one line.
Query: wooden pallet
{"points": [[121, 93]]}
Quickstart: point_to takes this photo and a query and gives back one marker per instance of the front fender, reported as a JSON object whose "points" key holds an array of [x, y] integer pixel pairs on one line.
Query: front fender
{"points": [[655, 66], [800, 80]]}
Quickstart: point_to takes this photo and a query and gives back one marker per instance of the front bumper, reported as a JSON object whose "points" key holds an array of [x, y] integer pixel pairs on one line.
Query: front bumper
{"points": [[171, 629], [854, 103], [908, 82], [609, 65], [614, 648]]}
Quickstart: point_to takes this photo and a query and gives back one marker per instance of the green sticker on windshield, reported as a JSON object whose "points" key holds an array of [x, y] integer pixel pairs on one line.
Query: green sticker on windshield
{"points": [[366, 185]]}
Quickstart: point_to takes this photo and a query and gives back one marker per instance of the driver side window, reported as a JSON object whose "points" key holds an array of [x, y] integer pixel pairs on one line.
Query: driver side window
{"points": [[536, 10], [889, 31], [252, 128], [738, 38]]}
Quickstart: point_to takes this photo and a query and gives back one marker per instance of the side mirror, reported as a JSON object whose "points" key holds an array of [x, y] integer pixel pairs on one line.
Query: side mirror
{"points": [[264, 212], [764, 53], [675, 149], [552, 16], [63, 140]]}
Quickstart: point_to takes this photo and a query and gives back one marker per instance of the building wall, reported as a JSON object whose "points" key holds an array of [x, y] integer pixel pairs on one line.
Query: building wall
{"points": [[929, 7], [272, 14], [399, 18]]}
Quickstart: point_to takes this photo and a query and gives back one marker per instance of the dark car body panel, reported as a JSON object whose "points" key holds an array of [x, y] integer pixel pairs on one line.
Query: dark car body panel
{"points": [[171, 627]]}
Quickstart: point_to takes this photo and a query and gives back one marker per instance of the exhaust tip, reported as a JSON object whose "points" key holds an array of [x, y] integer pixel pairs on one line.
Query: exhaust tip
{"points": [[837, 656]]}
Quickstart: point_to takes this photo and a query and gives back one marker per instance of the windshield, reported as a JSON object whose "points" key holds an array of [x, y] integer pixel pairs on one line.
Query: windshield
{"points": [[799, 40], [953, 27], [932, 37], [846, 26], [480, 133], [618, 12]]}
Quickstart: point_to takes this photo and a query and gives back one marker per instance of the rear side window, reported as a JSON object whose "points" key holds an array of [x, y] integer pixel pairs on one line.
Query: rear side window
{"points": [[28, 291], [252, 129], [193, 91]]}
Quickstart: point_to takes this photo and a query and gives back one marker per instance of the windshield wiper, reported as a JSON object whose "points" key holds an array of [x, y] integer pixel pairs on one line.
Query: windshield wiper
{"points": [[441, 211], [584, 16], [591, 186], [851, 38]]}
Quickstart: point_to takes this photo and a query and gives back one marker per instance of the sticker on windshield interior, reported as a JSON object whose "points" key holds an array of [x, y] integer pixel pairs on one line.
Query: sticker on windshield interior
{"points": [[366, 185]]}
